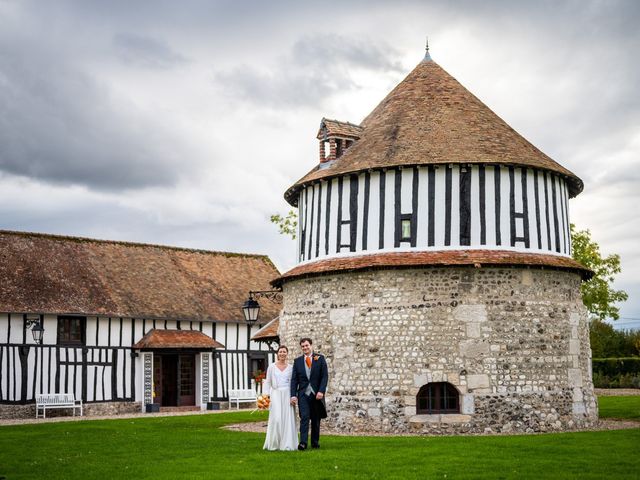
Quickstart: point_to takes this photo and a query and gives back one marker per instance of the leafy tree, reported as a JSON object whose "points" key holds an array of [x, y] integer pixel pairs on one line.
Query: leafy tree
{"points": [[598, 294], [287, 225], [606, 342]]}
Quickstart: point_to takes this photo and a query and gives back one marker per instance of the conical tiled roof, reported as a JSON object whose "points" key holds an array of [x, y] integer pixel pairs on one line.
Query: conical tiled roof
{"points": [[430, 118]]}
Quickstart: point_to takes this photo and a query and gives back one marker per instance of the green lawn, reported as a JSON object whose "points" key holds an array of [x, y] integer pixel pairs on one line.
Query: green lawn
{"points": [[194, 447], [620, 407]]}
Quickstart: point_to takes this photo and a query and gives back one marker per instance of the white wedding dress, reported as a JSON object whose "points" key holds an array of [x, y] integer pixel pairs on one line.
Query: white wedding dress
{"points": [[282, 432]]}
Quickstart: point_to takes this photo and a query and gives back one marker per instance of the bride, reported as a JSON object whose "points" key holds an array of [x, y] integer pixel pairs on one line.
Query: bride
{"points": [[281, 430]]}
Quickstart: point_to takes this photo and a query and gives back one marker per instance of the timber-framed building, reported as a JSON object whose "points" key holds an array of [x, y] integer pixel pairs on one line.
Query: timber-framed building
{"points": [[126, 324]]}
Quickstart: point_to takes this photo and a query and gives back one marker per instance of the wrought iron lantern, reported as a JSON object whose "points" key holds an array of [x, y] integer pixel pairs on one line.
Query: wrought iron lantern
{"points": [[251, 308], [34, 322]]}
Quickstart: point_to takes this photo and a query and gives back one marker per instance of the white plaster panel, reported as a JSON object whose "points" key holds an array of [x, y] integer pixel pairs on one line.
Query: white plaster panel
{"points": [[475, 205], [455, 205]]}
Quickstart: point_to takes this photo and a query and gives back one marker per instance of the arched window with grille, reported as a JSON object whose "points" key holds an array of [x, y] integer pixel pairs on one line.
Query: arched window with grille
{"points": [[438, 397]]}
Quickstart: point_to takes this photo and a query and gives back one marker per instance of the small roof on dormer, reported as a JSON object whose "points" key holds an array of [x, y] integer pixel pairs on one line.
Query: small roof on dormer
{"points": [[335, 128], [430, 118]]}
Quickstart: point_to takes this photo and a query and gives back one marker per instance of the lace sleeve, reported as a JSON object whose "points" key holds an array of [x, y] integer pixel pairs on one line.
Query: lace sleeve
{"points": [[267, 384]]}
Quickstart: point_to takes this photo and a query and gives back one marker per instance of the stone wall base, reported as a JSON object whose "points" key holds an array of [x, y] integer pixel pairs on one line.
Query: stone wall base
{"points": [[492, 413], [513, 342], [8, 412]]}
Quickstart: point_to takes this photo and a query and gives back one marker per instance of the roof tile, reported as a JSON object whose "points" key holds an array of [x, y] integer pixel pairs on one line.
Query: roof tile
{"points": [[176, 339], [340, 129], [430, 118], [446, 258], [268, 332], [55, 274]]}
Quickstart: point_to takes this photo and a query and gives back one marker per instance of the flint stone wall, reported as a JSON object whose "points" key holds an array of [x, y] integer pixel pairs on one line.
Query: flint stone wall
{"points": [[9, 412], [513, 341]]}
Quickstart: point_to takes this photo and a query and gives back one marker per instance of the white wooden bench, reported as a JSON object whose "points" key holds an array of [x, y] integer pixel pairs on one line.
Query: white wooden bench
{"points": [[242, 395], [56, 400]]}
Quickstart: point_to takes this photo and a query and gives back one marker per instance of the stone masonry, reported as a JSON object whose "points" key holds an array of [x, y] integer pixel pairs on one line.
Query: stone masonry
{"points": [[513, 341], [8, 412]]}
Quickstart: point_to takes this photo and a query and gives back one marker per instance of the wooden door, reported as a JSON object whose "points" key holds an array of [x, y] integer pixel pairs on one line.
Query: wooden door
{"points": [[157, 379], [187, 379], [169, 380]]}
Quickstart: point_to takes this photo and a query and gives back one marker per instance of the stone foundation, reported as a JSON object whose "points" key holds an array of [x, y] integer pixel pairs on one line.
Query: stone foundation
{"points": [[514, 342], [8, 412]]}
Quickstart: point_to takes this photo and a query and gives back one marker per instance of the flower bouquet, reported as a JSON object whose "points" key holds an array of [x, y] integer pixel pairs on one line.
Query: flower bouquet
{"points": [[263, 402]]}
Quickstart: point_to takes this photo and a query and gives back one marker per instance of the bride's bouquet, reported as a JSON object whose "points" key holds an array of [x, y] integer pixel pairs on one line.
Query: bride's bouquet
{"points": [[263, 402]]}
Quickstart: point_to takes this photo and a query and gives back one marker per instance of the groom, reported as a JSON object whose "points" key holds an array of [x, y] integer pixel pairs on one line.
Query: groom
{"points": [[308, 385]]}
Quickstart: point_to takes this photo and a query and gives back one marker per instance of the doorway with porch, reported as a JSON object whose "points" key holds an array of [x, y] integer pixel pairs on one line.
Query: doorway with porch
{"points": [[174, 376]]}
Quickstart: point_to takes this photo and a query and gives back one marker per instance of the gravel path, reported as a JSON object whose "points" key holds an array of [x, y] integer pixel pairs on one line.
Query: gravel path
{"points": [[23, 421], [613, 392], [261, 427]]}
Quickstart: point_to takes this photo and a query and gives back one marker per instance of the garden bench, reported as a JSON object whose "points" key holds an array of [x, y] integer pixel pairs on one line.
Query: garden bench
{"points": [[56, 400], [242, 395]]}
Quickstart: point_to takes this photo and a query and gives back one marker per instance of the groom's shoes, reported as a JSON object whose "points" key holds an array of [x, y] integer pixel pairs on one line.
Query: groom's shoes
{"points": [[315, 445], [302, 446]]}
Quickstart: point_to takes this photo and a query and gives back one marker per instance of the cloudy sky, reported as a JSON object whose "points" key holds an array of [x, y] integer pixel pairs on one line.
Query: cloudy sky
{"points": [[183, 123]]}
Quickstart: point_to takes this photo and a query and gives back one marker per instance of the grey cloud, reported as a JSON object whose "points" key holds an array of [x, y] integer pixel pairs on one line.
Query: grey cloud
{"points": [[134, 49], [329, 50], [317, 67], [287, 88], [59, 124]]}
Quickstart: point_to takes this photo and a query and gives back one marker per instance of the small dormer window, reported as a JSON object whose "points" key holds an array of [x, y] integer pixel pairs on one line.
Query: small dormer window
{"points": [[335, 137]]}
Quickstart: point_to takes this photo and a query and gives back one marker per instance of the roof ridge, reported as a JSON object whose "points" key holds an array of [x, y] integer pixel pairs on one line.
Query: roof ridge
{"points": [[54, 236], [346, 122]]}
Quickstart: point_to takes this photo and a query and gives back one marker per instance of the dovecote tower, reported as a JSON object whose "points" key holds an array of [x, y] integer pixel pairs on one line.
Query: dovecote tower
{"points": [[435, 271]]}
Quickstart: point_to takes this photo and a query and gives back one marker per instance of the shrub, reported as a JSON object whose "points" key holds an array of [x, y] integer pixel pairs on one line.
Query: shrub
{"points": [[616, 372]]}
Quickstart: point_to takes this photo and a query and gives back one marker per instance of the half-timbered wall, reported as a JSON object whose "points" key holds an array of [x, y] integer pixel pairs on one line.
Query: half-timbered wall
{"points": [[443, 207], [106, 368]]}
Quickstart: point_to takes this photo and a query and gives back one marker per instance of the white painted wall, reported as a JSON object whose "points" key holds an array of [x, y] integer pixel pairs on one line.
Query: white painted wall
{"points": [[307, 209], [104, 340]]}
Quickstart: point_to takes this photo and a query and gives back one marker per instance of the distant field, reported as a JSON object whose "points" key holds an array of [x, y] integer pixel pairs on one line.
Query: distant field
{"points": [[194, 447]]}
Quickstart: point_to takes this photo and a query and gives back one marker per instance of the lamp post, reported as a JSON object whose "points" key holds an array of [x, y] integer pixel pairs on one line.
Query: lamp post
{"points": [[251, 308], [34, 322]]}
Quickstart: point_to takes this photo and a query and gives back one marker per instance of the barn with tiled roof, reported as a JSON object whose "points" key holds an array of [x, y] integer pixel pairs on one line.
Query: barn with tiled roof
{"points": [[435, 270]]}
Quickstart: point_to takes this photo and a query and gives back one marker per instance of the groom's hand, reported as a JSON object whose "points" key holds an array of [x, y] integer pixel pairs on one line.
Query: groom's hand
{"points": [[319, 396], [293, 401]]}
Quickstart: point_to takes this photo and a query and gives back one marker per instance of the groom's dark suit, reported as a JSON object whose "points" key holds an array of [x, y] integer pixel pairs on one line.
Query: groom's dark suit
{"points": [[310, 409]]}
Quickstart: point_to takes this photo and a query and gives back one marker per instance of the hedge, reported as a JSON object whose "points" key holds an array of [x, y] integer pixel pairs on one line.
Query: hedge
{"points": [[612, 367]]}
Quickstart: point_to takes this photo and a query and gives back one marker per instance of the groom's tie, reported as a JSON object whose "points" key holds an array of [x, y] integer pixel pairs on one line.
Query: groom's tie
{"points": [[308, 361]]}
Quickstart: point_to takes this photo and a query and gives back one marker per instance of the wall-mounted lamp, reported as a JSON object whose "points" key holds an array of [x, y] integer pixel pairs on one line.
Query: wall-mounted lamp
{"points": [[251, 308], [34, 322]]}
